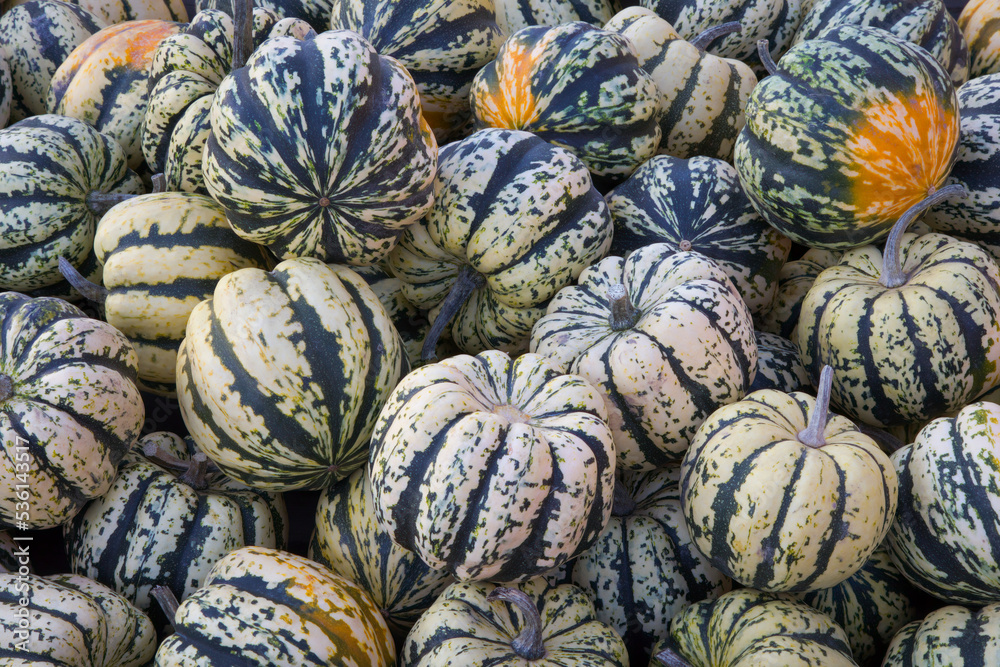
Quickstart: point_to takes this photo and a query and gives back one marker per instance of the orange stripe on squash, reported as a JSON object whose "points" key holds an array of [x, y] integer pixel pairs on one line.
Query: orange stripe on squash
{"points": [[512, 105], [130, 44]]}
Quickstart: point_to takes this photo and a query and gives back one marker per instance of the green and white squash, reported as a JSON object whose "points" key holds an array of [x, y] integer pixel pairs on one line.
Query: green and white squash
{"points": [[779, 365], [167, 519], [282, 374], [512, 15], [698, 205], [69, 409], [318, 148], [978, 21], [491, 468], [112, 12], [6, 91], [951, 636], [664, 336], [794, 281]]}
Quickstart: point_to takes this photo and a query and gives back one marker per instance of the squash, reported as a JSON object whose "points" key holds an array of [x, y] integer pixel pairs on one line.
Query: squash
{"points": [[882, 319], [69, 409], [349, 540], [105, 81], [66, 619], [491, 468], [312, 168], [977, 21], [698, 205], [442, 44], [484, 624], [951, 636], [578, 87], [514, 219], [666, 339], [112, 12], [167, 519], [512, 15], [782, 496], [14, 557], [779, 365], [851, 130], [6, 91], [794, 280], [264, 606], [945, 537], [704, 97], [282, 374], [35, 38]]}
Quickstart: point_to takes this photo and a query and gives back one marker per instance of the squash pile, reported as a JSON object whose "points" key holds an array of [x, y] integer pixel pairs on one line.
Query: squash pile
{"points": [[586, 333]]}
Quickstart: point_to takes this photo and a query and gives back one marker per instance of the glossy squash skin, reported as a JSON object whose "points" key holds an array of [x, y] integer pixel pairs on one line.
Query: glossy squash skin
{"points": [[794, 280]]}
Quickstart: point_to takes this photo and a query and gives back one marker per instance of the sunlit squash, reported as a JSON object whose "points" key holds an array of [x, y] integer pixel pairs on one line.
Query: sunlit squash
{"points": [[119, 11], [512, 15]]}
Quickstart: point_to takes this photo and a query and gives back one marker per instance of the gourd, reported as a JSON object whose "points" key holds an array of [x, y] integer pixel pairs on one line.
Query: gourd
{"points": [[952, 635], [6, 91], [779, 365], [512, 15], [118, 11], [977, 21], [794, 280]]}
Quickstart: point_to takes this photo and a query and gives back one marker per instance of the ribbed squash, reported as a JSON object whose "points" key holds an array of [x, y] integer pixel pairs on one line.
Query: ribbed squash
{"points": [[978, 21], [261, 606], [514, 220], [493, 469], [105, 81], [946, 538], [112, 12], [674, 343], [512, 15], [926, 23], [852, 129], [349, 540], [794, 281], [281, 374], [6, 91], [167, 519], [55, 167], [782, 496], [318, 149], [533, 623], [698, 205], [645, 568], [779, 365], [951, 636], [36, 38], [575, 86], [704, 97], [71, 620], [442, 44], [69, 409]]}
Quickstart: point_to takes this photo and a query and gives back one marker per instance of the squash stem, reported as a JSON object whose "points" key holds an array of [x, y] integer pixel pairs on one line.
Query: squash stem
{"points": [[469, 280], [892, 272], [100, 203], [243, 37], [672, 658], [623, 314], [812, 434], [6, 387], [193, 472], [90, 291], [765, 56], [528, 644], [708, 36], [623, 504], [167, 601]]}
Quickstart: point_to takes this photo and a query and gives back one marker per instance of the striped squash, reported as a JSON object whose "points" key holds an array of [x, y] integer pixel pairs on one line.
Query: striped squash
{"points": [[675, 343], [779, 365], [645, 568], [926, 23], [105, 81], [14, 556], [261, 606], [794, 280], [852, 129], [65, 379], [493, 469], [698, 205], [951, 636], [512, 15], [704, 97], [514, 220], [72, 621], [979, 23], [782, 496], [349, 540], [162, 254], [946, 537], [167, 519], [532, 623], [442, 44], [578, 87], [318, 149], [46, 207], [35, 38], [112, 12], [6, 91], [748, 627], [281, 375]]}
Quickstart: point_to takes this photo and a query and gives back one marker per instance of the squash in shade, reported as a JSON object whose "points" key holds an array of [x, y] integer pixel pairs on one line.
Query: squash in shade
{"points": [[794, 280]]}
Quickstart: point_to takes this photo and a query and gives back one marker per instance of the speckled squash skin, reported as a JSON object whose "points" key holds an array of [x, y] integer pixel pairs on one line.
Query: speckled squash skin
{"points": [[349, 540], [36, 37], [794, 280], [74, 620], [979, 23], [70, 408], [281, 374], [689, 350], [464, 628], [779, 515], [119, 11], [512, 15], [268, 607], [6, 91], [951, 636], [854, 128], [524, 451], [779, 365], [154, 528]]}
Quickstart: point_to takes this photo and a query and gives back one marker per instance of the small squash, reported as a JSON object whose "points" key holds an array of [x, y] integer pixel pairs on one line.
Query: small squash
{"points": [[951, 636], [779, 365], [794, 280], [112, 12], [512, 15], [978, 21]]}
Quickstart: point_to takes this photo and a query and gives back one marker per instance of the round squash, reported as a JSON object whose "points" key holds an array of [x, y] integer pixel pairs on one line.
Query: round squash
{"points": [[951, 636], [794, 280], [512, 15], [112, 12], [6, 91], [978, 21], [779, 365]]}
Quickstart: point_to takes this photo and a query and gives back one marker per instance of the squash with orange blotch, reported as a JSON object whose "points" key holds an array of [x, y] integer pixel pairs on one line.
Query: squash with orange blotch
{"points": [[852, 129]]}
